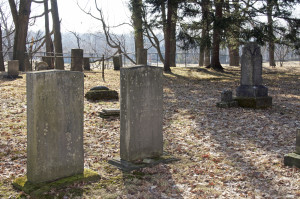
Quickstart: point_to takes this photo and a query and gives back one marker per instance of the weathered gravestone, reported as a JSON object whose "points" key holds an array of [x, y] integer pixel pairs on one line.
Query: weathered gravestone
{"points": [[101, 93], [141, 56], [251, 93], [141, 113], [293, 159], [13, 68], [226, 100], [108, 113], [41, 66], [54, 125], [117, 61], [76, 60], [86, 63]]}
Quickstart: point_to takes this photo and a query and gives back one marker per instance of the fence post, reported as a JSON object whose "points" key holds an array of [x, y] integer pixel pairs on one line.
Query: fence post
{"points": [[103, 68]]}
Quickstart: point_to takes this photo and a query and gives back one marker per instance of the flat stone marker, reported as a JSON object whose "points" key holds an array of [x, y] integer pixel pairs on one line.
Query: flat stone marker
{"points": [[251, 93], [141, 108], [54, 125], [76, 60], [107, 113], [293, 159], [13, 68]]}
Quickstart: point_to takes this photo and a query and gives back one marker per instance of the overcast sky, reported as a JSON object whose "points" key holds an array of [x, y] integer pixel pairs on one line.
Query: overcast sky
{"points": [[73, 19]]}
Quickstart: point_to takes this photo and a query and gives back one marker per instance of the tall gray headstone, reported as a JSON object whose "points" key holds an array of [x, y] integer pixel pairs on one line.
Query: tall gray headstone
{"points": [[86, 63], [251, 93], [293, 159], [76, 60], [54, 125], [251, 73], [141, 109], [13, 68], [117, 61], [141, 56]]}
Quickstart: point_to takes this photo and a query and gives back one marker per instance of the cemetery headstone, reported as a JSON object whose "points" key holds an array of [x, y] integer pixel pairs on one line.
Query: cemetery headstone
{"points": [[293, 159], [41, 66], [101, 93], [76, 60], [226, 100], [86, 63], [141, 113], [54, 125], [117, 61], [251, 93], [108, 113], [141, 56], [13, 68]]}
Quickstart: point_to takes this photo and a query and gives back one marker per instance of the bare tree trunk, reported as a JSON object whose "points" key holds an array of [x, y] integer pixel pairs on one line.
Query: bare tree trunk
{"points": [[137, 19], [207, 57], [270, 33], [205, 43], [49, 47], [201, 55], [21, 19], [1, 52], [173, 36], [59, 61], [215, 60], [168, 37]]}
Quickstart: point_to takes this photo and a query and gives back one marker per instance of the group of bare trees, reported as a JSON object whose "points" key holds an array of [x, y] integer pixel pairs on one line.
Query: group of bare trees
{"points": [[20, 11], [207, 25]]}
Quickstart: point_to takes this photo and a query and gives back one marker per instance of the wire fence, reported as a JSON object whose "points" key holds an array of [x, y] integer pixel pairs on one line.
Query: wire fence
{"points": [[182, 59]]}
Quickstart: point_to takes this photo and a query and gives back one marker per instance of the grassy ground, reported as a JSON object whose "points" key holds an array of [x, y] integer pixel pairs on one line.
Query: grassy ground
{"points": [[224, 153]]}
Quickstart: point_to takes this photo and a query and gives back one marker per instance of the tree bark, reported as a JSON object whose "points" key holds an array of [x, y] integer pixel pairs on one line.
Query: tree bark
{"points": [[205, 39], [137, 19], [215, 60], [21, 19], [173, 36], [59, 61], [168, 37], [201, 55], [49, 44], [1, 52], [270, 33]]}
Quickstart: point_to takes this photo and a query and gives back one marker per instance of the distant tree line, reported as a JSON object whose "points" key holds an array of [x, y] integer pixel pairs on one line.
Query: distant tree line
{"points": [[164, 25]]}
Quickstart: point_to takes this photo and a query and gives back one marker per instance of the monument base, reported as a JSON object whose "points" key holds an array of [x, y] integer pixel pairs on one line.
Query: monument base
{"points": [[254, 102], [292, 159], [252, 91], [12, 76], [130, 166], [227, 104], [37, 190]]}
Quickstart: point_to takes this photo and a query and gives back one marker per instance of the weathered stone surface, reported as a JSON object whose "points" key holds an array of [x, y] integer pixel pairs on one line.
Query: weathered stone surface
{"points": [[226, 96], [251, 93], [76, 60], [99, 88], [13, 68], [41, 66], [54, 125], [292, 159], [141, 56], [227, 104], [298, 142], [254, 102], [102, 95], [86, 63], [107, 113], [141, 112], [118, 63]]}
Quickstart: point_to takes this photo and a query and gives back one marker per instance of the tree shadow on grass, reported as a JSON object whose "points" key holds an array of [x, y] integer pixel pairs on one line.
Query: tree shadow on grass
{"points": [[232, 138], [151, 182]]}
